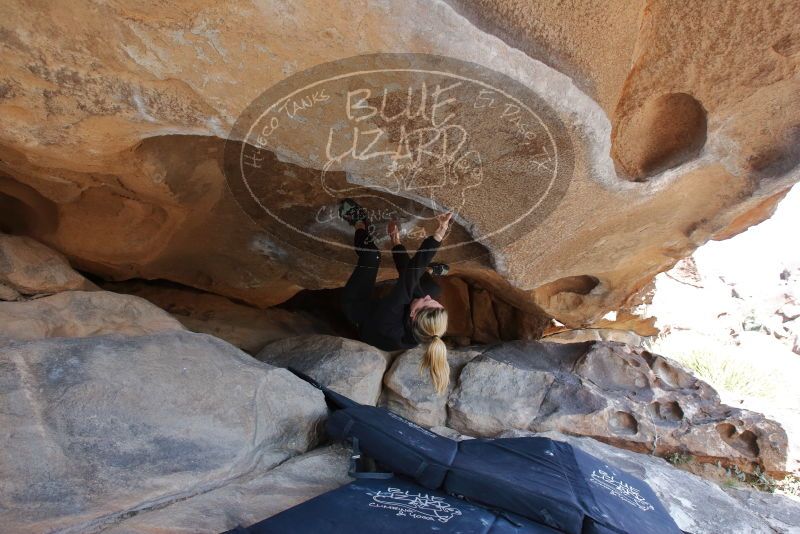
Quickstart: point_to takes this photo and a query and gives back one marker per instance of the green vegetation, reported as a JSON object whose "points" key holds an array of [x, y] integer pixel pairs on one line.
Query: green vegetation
{"points": [[731, 374], [759, 480], [679, 458], [789, 486]]}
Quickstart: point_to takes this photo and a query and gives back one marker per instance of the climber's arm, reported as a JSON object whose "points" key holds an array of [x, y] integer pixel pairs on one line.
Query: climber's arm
{"points": [[403, 291], [401, 258]]}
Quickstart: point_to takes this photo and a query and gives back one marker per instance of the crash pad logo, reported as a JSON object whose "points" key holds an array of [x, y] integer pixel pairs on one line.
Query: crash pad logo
{"points": [[620, 489], [406, 136], [414, 505]]}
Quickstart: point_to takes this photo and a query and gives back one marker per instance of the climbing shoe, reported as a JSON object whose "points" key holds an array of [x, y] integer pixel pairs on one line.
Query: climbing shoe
{"points": [[352, 212], [439, 269]]}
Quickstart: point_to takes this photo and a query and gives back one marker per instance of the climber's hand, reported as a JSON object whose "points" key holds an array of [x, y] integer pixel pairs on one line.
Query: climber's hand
{"points": [[444, 225], [394, 232]]}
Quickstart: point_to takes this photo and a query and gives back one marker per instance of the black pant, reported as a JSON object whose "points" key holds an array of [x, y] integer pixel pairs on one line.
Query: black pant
{"points": [[356, 301]]}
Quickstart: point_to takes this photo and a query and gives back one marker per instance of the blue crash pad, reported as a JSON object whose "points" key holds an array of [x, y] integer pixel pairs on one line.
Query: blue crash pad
{"points": [[391, 506]]}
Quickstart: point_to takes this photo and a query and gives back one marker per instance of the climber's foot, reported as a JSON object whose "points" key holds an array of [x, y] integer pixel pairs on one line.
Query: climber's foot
{"points": [[352, 212], [439, 269]]}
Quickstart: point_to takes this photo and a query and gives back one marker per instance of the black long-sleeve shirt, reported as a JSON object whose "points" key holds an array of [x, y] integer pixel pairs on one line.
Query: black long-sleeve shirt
{"points": [[389, 325]]}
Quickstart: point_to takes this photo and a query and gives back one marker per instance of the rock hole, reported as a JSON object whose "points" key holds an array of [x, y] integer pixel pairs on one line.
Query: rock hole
{"points": [[648, 357], [665, 411], [779, 158], [581, 285], [749, 440], [672, 411], [745, 442], [24, 211], [726, 431], [666, 131], [624, 423], [671, 376]]}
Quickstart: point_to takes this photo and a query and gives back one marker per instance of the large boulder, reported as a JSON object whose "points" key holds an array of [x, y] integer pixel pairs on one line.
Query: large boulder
{"points": [[408, 390], [349, 367], [697, 505], [597, 334], [244, 326], [103, 427], [115, 121], [493, 396], [247, 500], [29, 268], [624, 396], [779, 512], [82, 314]]}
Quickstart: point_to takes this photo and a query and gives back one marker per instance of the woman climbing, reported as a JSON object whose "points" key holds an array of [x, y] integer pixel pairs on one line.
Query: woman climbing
{"points": [[409, 314]]}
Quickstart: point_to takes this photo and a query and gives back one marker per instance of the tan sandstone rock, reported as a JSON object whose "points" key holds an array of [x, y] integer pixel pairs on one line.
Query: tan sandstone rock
{"points": [[349, 367], [246, 327], [83, 314], [682, 117], [408, 390], [623, 396], [106, 426], [596, 334], [247, 500], [697, 505], [29, 268]]}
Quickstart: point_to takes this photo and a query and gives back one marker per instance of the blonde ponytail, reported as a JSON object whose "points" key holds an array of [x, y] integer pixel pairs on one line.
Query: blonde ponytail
{"points": [[430, 324]]}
